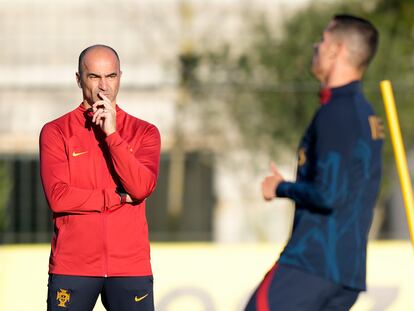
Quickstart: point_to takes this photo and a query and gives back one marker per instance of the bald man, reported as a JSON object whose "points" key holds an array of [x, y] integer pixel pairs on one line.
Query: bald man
{"points": [[323, 266], [98, 165]]}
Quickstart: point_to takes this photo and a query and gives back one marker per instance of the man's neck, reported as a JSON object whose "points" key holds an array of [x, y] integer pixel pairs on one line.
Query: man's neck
{"points": [[85, 104], [341, 76]]}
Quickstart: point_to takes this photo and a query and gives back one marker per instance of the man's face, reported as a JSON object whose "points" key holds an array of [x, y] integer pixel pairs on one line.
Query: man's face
{"points": [[324, 55], [100, 74]]}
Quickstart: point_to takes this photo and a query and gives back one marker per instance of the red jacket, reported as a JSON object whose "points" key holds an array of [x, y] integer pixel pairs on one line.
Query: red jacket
{"points": [[94, 234]]}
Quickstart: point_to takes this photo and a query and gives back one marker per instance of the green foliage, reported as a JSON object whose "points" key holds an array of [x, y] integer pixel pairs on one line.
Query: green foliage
{"points": [[268, 90], [4, 194]]}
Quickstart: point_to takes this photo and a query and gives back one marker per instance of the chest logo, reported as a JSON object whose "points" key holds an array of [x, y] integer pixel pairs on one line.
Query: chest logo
{"points": [[77, 154], [138, 299], [377, 127], [301, 157], [63, 297]]}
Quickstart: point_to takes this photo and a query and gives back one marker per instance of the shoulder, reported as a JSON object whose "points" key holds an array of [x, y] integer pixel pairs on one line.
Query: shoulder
{"points": [[140, 126], [135, 122], [59, 122], [58, 126], [52, 127], [51, 135], [342, 109]]}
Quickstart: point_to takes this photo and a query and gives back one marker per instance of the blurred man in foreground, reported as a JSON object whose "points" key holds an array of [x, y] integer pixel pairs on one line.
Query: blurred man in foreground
{"points": [[98, 165], [323, 266]]}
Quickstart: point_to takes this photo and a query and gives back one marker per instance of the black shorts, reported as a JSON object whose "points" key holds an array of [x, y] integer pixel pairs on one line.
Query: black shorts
{"points": [[285, 288], [79, 293]]}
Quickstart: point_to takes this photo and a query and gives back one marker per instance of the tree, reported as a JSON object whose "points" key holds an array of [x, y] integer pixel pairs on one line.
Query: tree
{"points": [[265, 87], [5, 187]]}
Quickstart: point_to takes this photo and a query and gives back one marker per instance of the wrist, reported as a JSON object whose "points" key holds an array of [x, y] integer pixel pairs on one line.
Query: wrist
{"points": [[108, 133], [282, 189], [122, 194]]}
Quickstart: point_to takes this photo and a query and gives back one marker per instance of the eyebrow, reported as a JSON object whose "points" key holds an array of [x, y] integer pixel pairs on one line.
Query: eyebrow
{"points": [[91, 74]]}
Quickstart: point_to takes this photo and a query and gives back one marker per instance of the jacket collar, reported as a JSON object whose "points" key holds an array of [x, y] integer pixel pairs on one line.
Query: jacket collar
{"points": [[326, 94]]}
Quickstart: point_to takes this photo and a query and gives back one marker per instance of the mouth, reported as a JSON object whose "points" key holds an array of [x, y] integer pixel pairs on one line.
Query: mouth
{"points": [[108, 95]]}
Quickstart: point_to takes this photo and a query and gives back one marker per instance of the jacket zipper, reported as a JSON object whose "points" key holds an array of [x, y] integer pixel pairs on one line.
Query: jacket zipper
{"points": [[105, 246]]}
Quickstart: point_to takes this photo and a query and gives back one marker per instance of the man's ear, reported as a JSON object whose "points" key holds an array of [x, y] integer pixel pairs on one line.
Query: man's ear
{"points": [[78, 80], [335, 49]]}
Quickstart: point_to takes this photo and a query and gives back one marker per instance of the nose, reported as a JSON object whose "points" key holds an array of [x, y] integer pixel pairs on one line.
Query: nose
{"points": [[103, 84]]}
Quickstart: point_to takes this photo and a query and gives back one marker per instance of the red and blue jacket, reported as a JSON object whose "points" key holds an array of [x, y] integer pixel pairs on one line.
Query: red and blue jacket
{"points": [[338, 178], [81, 168]]}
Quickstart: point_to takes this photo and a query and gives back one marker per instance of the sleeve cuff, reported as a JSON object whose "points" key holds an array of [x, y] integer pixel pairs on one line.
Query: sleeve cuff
{"points": [[113, 139], [283, 189], [111, 198]]}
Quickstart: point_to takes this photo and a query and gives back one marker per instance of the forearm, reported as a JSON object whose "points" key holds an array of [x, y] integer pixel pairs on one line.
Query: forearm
{"points": [[137, 171], [136, 179], [305, 194], [63, 198]]}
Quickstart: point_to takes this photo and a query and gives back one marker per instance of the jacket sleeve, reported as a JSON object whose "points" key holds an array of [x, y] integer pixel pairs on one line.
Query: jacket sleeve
{"points": [[54, 171], [137, 169], [328, 166]]}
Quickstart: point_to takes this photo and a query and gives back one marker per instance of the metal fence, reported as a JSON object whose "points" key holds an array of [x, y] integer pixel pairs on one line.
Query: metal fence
{"points": [[27, 218]]}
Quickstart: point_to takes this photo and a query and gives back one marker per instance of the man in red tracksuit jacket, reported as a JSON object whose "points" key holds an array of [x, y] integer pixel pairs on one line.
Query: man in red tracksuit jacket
{"points": [[98, 165]]}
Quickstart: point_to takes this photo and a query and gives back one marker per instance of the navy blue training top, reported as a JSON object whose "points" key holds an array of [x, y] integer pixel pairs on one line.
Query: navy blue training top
{"points": [[338, 177]]}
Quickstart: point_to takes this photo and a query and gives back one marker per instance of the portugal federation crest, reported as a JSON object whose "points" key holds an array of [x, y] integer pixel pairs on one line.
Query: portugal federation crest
{"points": [[63, 297]]}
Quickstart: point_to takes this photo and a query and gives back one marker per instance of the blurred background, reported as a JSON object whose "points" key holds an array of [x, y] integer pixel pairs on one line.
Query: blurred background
{"points": [[227, 82]]}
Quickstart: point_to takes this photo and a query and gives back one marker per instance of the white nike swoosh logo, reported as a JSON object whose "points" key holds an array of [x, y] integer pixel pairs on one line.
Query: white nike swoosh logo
{"points": [[76, 154]]}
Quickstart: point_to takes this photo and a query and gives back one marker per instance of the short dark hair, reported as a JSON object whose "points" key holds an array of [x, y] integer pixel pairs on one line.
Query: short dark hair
{"points": [[83, 53], [364, 34]]}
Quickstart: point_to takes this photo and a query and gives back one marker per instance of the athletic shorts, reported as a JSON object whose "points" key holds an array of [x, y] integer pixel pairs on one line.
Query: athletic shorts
{"points": [[80, 293], [285, 288]]}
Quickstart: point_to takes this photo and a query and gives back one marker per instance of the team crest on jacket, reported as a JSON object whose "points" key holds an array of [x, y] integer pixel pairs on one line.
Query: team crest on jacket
{"points": [[301, 157], [63, 298], [377, 127]]}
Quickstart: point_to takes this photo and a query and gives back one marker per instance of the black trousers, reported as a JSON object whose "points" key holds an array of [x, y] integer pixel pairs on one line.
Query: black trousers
{"points": [[80, 293]]}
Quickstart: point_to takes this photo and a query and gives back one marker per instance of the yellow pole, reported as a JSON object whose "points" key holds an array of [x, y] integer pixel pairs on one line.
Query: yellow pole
{"points": [[399, 152]]}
